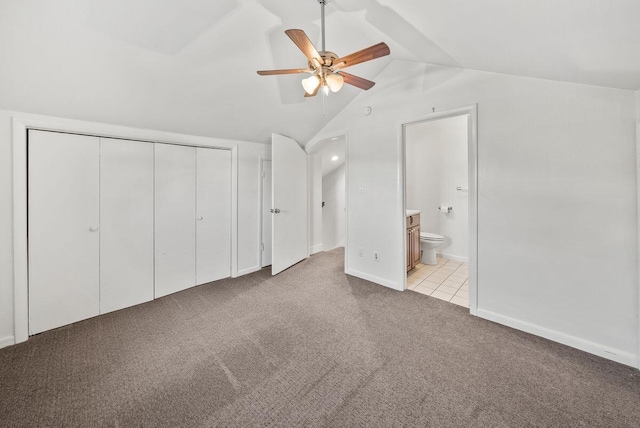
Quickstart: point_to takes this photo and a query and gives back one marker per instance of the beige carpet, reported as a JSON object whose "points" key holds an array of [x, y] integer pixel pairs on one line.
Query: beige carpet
{"points": [[310, 347]]}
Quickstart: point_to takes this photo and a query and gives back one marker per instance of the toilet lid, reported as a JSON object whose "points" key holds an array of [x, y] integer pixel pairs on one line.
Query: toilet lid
{"points": [[431, 236]]}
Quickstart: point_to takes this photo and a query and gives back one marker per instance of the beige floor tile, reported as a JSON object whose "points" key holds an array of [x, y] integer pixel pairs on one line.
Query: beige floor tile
{"points": [[423, 290], [449, 284], [442, 295], [428, 283], [420, 265], [465, 287], [455, 280], [421, 274], [434, 280], [447, 289], [460, 301], [463, 293], [414, 280], [411, 286]]}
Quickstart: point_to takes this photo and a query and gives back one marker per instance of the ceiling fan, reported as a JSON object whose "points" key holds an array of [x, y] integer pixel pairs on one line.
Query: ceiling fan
{"points": [[326, 67]]}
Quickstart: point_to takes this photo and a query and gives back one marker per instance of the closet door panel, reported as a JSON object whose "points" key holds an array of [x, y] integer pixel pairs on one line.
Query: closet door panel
{"points": [[63, 223], [213, 206], [175, 218], [126, 223]]}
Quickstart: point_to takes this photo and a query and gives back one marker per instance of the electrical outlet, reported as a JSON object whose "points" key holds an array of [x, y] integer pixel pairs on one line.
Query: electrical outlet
{"points": [[360, 252], [362, 188], [376, 256]]}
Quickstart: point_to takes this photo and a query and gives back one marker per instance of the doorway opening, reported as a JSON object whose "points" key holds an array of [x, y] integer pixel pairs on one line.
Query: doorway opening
{"points": [[328, 194], [440, 206]]}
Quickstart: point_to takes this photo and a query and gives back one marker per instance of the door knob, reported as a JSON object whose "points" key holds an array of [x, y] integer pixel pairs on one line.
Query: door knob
{"points": [[201, 218], [93, 228]]}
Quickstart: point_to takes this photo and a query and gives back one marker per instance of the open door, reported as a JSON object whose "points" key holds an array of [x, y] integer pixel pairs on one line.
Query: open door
{"points": [[289, 203]]}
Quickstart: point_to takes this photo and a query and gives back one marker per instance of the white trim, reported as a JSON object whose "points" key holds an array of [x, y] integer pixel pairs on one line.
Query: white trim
{"points": [[249, 270], [638, 214], [616, 355], [453, 257], [316, 249], [7, 341], [375, 279], [21, 122], [472, 112], [261, 160], [234, 212]]}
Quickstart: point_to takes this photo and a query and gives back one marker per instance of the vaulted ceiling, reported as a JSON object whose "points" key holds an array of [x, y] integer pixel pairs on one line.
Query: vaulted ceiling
{"points": [[190, 66]]}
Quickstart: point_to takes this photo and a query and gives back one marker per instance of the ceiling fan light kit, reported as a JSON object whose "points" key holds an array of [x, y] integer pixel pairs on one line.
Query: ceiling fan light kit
{"points": [[326, 67]]}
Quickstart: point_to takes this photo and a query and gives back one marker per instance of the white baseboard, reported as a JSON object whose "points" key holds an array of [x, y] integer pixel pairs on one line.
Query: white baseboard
{"points": [[316, 249], [248, 270], [7, 341], [373, 278], [454, 257], [616, 355]]}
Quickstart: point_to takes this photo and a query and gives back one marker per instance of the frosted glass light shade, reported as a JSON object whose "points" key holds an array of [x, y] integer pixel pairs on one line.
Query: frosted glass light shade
{"points": [[310, 84], [334, 82]]}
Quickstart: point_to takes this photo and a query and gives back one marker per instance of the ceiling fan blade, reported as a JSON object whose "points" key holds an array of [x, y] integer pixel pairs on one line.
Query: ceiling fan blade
{"points": [[285, 71], [356, 81], [301, 40], [307, 95], [372, 52]]}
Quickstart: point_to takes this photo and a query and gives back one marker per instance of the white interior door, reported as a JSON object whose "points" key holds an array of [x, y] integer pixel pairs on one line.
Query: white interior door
{"points": [[289, 163], [213, 214], [64, 239], [266, 213], [175, 218], [126, 223]]}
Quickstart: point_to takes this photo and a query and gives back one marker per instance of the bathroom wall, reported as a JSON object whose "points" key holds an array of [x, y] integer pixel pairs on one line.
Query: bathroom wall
{"points": [[333, 213], [437, 163], [557, 215]]}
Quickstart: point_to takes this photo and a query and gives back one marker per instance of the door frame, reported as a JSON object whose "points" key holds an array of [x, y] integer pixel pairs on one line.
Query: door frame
{"points": [[311, 149], [472, 155], [21, 123], [638, 238], [261, 160]]}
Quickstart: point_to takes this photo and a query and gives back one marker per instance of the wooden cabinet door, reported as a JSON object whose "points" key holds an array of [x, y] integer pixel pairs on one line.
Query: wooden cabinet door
{"points": [[409, 246], [416, 245]]}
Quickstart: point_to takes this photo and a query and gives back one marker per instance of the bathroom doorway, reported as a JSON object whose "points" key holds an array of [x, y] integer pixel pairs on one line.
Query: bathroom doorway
{"points": [[440, 206], [328, 194]]}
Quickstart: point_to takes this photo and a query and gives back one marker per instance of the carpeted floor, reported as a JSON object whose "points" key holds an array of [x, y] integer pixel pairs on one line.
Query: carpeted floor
{"points": [[309, 347]]}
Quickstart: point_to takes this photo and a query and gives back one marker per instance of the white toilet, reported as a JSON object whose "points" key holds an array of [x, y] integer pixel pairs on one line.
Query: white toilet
{"points": [[428, 244]]}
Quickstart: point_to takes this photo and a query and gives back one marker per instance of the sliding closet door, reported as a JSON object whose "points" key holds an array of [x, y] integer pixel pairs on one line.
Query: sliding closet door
{"points": [[213, 206], [63, 229], [175, 218], [126, 223]]}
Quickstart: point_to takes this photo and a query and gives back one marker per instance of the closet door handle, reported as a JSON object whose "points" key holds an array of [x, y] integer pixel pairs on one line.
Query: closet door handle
{"points": [[201, 218], [94, 228]]}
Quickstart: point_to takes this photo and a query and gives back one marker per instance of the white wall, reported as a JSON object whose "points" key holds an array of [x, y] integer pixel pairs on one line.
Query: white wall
{"points": [[333, 213], [315, 201], [248, 203], [437, 163], [557, 225]]}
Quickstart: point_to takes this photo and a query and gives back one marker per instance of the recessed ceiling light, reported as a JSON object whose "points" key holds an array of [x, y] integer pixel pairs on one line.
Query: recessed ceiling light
{"points": [[334, 158], [334, 138]]}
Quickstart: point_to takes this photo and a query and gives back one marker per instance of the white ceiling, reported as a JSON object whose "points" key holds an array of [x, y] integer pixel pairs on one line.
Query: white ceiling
{"points": [[190, 66]]}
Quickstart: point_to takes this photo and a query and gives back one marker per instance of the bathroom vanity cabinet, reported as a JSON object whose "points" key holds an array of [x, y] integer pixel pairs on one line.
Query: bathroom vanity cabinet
{"points": [[413, 241]]}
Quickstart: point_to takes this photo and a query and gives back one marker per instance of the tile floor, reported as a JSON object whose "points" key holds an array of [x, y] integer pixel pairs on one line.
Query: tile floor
{"points": [[448, 280]]}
